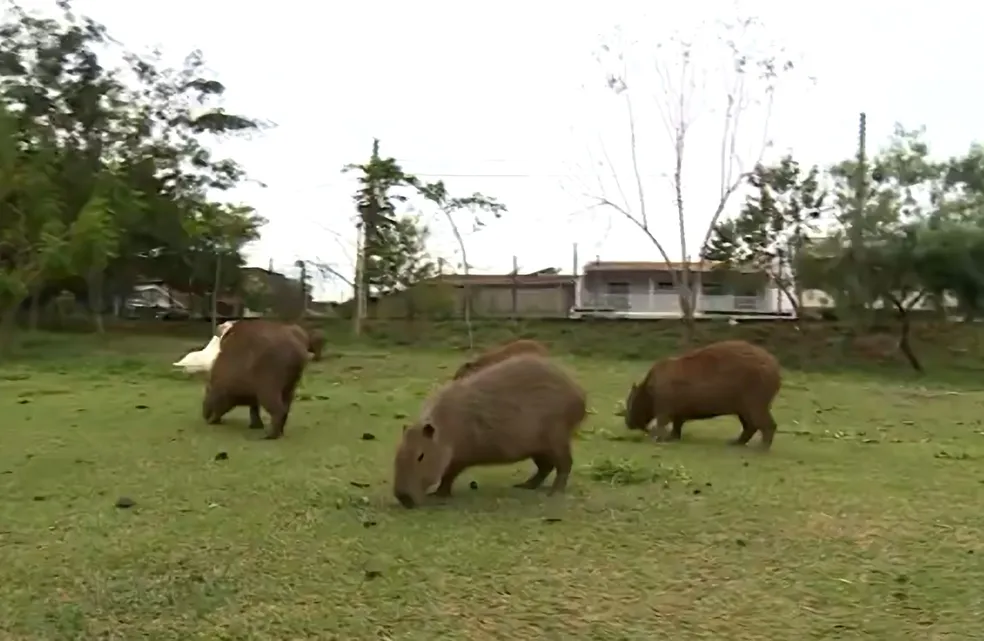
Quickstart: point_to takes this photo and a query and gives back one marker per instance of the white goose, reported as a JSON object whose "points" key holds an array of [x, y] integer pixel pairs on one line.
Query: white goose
{"points": [[201, 360]]}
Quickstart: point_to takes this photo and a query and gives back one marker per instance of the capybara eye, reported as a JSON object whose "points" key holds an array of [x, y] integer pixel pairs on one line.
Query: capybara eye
{"points": [[421, 457]]}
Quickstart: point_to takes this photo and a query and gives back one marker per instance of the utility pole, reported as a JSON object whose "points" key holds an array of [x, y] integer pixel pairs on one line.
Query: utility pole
{"points": [[858, 222], [303, 266]]}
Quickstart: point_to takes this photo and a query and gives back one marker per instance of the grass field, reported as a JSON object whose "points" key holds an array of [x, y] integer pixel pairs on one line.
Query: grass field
{"points": [[864, 521]]}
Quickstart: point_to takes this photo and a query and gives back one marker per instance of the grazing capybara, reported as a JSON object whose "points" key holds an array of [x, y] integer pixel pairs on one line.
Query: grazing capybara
{"points": [[523, 407], [728, 378], [499, 354], [316, 343], [313, 339], [260, 363]]}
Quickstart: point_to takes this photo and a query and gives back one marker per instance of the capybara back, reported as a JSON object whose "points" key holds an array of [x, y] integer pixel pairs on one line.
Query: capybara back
{"points": [[260, 364], [499, 354], [727, 378], [522, 407]]}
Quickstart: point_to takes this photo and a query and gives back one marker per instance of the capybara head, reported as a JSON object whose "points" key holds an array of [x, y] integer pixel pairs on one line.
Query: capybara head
{"points": [[638, 407], [420, 462]]}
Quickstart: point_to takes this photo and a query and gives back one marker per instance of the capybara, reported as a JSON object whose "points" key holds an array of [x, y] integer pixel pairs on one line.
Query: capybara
{"points": [[313, 339], [499, 354], [523, 407], [726, 378], [316, 343], [260, 363]]}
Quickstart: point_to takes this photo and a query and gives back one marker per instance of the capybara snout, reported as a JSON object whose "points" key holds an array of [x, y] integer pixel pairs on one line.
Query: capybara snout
{"points": [[406, 500]]}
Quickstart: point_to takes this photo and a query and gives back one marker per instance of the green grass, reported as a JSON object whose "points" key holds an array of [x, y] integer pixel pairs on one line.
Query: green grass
{"points": [[863, 522]]}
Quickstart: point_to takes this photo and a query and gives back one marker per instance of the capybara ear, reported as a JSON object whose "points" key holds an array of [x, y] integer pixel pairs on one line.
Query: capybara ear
{"points": [[428, 430]]}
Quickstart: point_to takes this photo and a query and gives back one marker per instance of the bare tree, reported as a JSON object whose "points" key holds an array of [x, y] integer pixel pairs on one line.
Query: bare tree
{"points": [[683, 95], [476, 204]]}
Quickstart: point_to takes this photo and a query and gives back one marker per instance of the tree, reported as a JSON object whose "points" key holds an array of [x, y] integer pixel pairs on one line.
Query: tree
{"points": [[398, 259], [32, 235], [773, 226], [874, 256], [375, 202], [476, 204], [379, 227], [126, 162], [94, 237], [217, 235], [752, 77]]}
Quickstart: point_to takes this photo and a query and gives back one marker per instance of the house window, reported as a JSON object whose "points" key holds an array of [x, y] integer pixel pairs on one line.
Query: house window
{"points": [[712, 289], [618, 296], [618, 288], [664, 286]]}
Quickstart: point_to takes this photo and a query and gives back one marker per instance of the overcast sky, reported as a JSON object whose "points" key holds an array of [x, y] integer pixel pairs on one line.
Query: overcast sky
{"points": [[507, 98]]}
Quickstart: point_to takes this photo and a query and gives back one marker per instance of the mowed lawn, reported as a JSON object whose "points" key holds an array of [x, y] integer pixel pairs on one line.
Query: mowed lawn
{"points": [[865, 521]]}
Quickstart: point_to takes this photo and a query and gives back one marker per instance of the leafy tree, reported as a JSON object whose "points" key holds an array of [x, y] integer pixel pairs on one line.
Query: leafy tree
{"points": [[383, 185], [901, 184], [773, 226], [32, 235], [399, 257], [124, 157], [216, 236]]}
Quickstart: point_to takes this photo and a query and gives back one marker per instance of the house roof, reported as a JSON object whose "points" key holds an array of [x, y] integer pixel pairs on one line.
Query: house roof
{"points": [[654, 266], [522, 280]]}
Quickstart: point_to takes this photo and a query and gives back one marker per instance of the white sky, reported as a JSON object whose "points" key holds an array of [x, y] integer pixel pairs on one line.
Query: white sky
{"points": [[506, 98]]}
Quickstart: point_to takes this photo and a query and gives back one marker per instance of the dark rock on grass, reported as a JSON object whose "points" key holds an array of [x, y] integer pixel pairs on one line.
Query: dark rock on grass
{"points": [[473, 485], [358, 484], [23, 401], [367, 436], [141, 407], [125, 502], [222, 456]]}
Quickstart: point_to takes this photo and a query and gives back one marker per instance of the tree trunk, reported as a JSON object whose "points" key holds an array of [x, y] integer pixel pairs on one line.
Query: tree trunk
{"points": [[8, 326], [793, 302], [34, 311], [687, 312], [905, 327], [96, 301]]}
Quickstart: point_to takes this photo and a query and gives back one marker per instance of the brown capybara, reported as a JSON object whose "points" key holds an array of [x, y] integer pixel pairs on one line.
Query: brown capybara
{"points": [[316, 343], [523, 407], [313, 339], [499, 354], [728, 378], [260, 363]]}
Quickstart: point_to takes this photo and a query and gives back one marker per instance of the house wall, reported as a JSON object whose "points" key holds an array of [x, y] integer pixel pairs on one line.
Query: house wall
{"points": [[541, 301], [652, 292]]}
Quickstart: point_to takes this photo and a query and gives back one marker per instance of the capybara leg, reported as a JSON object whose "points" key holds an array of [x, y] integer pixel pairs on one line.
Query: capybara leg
{"points": [[748, 430], [255, 421], [544, 466], [768, 430], [563, 461], [447, 480], [278, 412], [677, 432], [277, 422]]}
